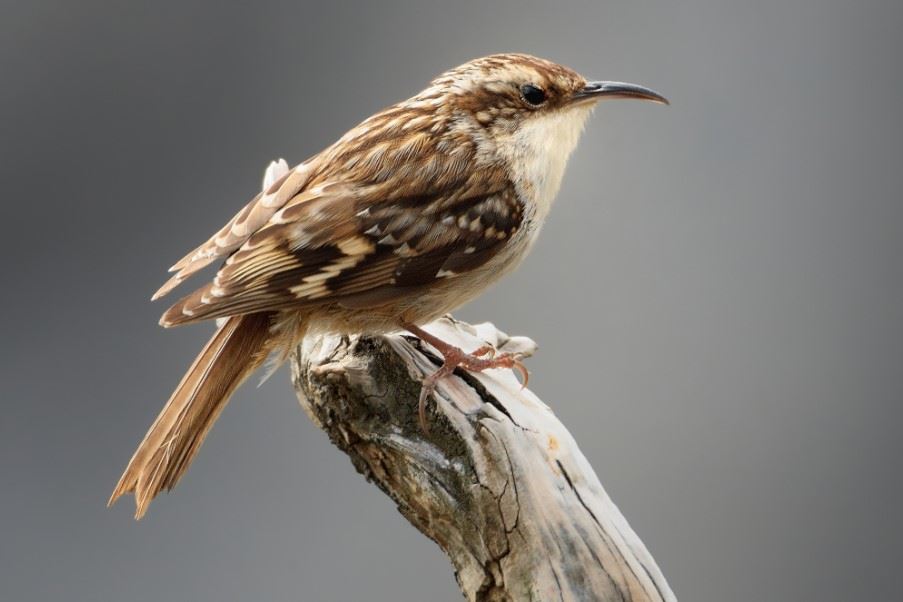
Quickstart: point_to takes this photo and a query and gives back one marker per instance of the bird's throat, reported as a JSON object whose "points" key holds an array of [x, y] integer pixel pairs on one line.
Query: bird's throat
{"points": [[538, 152]]}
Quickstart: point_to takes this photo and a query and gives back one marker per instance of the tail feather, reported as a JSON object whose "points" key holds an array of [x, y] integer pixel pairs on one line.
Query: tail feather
{"points": [[237, 348]]}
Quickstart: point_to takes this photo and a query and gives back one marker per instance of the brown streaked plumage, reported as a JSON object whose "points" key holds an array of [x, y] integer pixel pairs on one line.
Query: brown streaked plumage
{"points": [[409, 215]]}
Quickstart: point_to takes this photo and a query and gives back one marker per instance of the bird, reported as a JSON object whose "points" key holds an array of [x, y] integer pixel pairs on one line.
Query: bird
{"points": [[406, 217]]}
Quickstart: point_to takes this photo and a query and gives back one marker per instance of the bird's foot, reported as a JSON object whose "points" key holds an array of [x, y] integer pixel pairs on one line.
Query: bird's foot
{"points": [[484, 358]]}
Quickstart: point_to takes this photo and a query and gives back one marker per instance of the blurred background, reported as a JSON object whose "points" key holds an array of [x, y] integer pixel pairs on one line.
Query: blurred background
{"points": [[718, 295]]}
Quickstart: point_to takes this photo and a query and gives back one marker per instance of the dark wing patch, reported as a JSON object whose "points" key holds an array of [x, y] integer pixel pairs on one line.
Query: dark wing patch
{"points": [[332, 248], [421, 240]]}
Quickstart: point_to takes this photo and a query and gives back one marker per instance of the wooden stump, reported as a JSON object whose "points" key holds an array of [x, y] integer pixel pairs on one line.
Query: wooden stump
{"points": [[497, 482]]}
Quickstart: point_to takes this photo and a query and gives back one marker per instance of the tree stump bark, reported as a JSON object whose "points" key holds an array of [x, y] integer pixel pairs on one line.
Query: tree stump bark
{"points": [[497, 482]]}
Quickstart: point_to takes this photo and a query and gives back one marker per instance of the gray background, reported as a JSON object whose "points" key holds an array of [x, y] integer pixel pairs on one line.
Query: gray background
{"points": [[718, 294]]}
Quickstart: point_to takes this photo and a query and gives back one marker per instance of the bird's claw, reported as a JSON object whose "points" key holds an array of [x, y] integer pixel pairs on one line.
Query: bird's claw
{"points": [[473, 362], [485, 350]]}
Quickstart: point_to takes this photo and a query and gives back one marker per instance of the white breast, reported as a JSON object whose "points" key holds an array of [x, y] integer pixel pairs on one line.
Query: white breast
{"points": [[538, 152]]}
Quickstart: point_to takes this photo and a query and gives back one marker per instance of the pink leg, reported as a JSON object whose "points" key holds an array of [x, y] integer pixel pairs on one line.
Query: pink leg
{"points": [[453, 357]]}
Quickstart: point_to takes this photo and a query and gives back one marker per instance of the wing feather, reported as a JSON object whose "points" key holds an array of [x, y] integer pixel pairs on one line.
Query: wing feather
{"points": [[280, 185], [342, 246]]}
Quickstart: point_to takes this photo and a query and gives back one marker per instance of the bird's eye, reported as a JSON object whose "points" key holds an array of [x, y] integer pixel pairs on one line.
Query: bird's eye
{"points": [[533, 95]]}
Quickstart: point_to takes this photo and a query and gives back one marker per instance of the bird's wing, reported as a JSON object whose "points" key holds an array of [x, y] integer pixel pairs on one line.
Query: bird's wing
{"points": [[281, 184], [339, 241]]}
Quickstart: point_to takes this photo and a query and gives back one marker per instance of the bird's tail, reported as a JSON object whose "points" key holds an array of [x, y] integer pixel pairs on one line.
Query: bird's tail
{"points": [[237, 348]]}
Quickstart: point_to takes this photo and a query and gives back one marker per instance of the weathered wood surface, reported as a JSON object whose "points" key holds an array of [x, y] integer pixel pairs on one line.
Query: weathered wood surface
{"points": [[497, 482]]}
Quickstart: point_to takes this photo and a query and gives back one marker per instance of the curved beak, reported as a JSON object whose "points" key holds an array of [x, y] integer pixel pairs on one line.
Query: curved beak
{"points": [[600, 90]]}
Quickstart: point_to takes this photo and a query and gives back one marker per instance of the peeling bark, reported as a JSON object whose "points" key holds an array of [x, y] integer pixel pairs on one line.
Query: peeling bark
{"points": [[498, 482]]}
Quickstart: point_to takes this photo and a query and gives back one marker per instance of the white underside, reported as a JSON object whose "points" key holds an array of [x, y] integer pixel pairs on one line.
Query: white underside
{"points": [[538, 153]]}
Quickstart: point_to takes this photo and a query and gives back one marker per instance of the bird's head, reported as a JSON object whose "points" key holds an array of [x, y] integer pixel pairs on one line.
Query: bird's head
{"points": [[505, 91], [531, 110]]}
